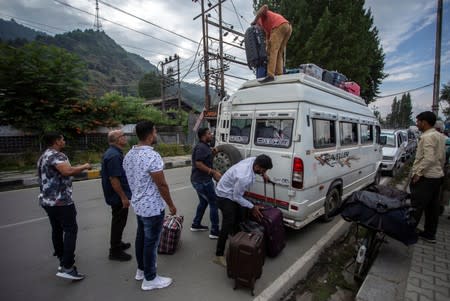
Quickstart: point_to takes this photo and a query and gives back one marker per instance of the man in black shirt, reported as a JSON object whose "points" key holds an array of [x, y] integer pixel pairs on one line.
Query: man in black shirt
{"points": [[117, 193], [201, 179]]}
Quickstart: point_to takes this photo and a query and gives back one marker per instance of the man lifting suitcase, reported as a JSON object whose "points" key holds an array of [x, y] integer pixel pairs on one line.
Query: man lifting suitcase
{"points": [[230, 192], [278, 31]]}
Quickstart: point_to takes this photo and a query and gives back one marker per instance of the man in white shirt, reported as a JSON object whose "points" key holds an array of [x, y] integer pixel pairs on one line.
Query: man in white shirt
{"points": [[150, 193], [427, 174], [230, 193]]}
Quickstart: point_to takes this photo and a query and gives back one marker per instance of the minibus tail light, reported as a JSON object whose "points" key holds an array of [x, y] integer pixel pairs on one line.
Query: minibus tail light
{"points": [[297, 173]]}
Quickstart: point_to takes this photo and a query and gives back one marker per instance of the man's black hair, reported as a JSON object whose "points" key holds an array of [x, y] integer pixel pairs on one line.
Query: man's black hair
{"points": [[263, 161], [51, 137], [143, 129], [202, 132], [428, 116]]}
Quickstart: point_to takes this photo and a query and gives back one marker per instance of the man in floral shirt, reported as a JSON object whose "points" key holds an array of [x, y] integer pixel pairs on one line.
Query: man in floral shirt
{"points": [[55, 181]]}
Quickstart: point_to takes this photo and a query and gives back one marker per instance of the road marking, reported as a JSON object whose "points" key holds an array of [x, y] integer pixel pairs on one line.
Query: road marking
{"points": [[45, 217], [23, 223]]}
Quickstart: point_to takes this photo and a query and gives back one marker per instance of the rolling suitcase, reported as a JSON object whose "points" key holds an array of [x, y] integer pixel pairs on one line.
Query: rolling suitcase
{"points": [[245, 259], [170, 235], [333, 77], [351, 87], [311, 70], [272, 221], [255, 46]]}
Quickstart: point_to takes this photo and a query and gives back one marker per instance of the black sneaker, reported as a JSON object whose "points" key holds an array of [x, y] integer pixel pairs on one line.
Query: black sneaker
{"points": [[266, 79], [428, 238], [196, 228], [119, 256], [71, 273], [124, 245]]}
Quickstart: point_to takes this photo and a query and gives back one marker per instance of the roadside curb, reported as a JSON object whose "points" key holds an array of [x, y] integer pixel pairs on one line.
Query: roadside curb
{"points": [[29, 181], [299, 270]]}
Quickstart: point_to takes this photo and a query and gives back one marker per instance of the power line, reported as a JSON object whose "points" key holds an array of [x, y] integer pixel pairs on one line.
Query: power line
{"points": [[146, 21], [403, 92], [237, 15], [124, 26]]}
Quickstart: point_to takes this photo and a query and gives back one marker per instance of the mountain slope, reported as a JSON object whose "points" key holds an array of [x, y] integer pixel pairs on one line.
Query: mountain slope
{"points": [[11, 30]]}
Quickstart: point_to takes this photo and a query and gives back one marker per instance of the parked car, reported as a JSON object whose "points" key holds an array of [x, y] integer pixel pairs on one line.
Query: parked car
{"points": [[394, 150], [447, 149], [411, 143]]}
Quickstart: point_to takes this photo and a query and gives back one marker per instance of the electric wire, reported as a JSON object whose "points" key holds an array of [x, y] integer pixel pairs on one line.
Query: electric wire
{"points": [[124, 26]]}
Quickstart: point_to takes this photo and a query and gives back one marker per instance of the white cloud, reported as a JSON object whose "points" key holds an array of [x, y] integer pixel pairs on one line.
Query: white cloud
{"points": [[397, 21], [400, 77]]}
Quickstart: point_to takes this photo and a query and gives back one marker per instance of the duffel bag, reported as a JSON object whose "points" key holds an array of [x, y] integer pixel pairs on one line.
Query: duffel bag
{"points": [[389, 192], [381, 213], [171, 233]]}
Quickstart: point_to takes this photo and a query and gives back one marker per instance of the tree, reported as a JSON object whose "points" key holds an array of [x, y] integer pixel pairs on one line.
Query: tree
{"points": [[150, 85], [336, 35], [39, 85], [445, 97]]}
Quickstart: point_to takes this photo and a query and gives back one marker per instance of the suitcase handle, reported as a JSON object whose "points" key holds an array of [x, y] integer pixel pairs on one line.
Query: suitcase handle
{"points": [[273, 188]]}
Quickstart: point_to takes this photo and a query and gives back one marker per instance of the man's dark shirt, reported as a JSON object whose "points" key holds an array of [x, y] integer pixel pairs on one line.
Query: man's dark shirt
{"points": [[112, 167], [201, 152]]}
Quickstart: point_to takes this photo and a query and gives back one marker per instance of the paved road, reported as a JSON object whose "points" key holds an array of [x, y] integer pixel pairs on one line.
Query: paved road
{"points": [[29, 268]]}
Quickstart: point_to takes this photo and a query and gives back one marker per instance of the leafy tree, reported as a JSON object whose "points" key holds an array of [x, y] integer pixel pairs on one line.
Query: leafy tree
{"points": [[445, 97], [336, 35], [39, 85], [405, 111], [150, 85]]}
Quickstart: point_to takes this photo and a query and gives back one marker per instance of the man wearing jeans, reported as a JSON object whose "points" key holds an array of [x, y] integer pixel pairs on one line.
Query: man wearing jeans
{"points": [[201, 179], [427, 173], [117, 193], [278, 31], [55, 183], [230, 192], [144, 170]]}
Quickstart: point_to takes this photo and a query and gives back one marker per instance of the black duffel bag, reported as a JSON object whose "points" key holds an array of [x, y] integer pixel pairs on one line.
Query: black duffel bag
{"points": [[381, 213]]}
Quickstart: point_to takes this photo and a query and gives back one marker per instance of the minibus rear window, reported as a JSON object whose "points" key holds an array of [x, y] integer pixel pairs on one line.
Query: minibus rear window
{"points": [[240, 131], [324, 133], [274, 132]]}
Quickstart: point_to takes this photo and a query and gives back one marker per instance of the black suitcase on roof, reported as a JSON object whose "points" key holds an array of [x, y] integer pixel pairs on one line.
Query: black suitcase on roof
{"points": [[255, 46]]}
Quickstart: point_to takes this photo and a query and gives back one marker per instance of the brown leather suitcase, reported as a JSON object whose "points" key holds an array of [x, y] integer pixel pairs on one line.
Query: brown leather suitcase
{"points": [[245, 258]]}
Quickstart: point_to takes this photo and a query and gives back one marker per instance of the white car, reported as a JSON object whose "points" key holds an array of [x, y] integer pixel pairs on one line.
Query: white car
{"points": [[394, 150]]}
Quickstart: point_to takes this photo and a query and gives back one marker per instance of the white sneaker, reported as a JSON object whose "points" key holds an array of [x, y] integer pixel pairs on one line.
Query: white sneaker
{"points": [[139, 275], [157, 282]]}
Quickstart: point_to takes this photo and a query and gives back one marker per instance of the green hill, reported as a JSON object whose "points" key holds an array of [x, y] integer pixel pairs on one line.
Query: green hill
{"points": [[11, 30], [110, 67]]}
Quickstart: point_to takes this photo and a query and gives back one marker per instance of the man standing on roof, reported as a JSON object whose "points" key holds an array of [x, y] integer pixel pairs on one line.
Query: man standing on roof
{"points": [[278, 31]]}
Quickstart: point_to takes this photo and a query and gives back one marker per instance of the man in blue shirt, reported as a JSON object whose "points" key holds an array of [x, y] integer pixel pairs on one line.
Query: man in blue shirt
{"points": [[230, 197], [201, 179], [117, 193]]}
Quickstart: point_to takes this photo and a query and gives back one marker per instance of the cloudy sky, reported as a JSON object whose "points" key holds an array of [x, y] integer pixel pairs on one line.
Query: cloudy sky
{"points": [[164, 27]]}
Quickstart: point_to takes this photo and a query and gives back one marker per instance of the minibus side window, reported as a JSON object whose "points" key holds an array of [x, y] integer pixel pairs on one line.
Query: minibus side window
{"points": [[240, 131], [348, 133], [274, 132], [378, 136], [324, 132], [366, 134]]}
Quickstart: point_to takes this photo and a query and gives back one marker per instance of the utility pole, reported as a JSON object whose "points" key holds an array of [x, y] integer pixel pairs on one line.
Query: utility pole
{"points": [[205, 56], [437, 59], [167, 79]]}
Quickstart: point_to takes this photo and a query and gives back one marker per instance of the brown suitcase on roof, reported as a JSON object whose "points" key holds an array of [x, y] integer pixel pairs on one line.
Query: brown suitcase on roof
{"points": [[245, 259]]}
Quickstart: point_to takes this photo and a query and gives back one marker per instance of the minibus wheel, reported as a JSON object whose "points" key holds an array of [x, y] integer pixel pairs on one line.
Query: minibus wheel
{"points": [[332, 203], [226, 156]]}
